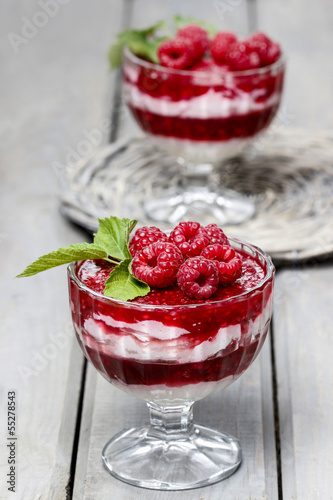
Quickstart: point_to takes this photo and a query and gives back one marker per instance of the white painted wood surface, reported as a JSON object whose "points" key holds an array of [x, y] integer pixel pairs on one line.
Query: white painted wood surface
{"points": [[304, 345], [52, 89], [304, 28], [303, 307], [56, 91]]}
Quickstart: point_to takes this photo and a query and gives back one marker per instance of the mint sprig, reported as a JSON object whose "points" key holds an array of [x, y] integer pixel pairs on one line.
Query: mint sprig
{"points": [[111, 244], [143, 43], [113, 236], [123, 285], [72, 253]]}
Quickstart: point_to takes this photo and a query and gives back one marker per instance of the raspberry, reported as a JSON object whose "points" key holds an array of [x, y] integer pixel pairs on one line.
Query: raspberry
{"points": [[205, 65], [145, 236], [272, 55], [176, 53], [198, 278], [190, 237], [157, 264], [268, 51], [216, 235], [241, 58], [197, 36], [228, 264], [220, 46]]}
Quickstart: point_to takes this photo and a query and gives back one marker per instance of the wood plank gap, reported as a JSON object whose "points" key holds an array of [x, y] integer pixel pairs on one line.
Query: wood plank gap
{"points": [[252, 15], [117, 94], [276, 413], [70, 485]]}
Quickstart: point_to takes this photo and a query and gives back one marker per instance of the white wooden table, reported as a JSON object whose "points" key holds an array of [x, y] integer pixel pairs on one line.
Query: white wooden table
{"points": [[55, 89]]}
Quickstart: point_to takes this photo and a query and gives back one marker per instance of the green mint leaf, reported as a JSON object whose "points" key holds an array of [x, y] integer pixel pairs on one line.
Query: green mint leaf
{"points": [[113, 236], [115, 54], [180, 22], [145, 49], [143, 43], [72, 253], [122, 285], [146, 32]]}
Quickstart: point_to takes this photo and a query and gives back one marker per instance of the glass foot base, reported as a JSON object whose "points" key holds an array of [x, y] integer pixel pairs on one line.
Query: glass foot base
{"points": [[202, 457], [227, 207]]}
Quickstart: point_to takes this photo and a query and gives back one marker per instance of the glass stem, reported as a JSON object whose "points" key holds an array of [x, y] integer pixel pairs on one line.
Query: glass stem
{"points": [[196, 175], [170, 422]]}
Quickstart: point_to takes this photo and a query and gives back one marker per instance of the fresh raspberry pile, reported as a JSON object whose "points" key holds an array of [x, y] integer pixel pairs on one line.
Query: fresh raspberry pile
{"points": [[191, 48], [157, 264], [198, 259], [144, 237], [228, 264]]}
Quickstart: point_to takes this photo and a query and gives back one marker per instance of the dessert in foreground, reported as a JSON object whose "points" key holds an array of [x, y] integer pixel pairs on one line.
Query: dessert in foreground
{"points": [[168, 318], [167, 347]]}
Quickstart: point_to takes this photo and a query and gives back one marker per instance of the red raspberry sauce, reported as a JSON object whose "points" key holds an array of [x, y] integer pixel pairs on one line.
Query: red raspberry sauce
{"points": [[209, 129], [202, 323]]}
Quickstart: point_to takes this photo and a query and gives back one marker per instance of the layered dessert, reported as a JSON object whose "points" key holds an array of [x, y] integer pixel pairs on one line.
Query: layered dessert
{"points": [[200, 326], [207, 97], [170, 318]]}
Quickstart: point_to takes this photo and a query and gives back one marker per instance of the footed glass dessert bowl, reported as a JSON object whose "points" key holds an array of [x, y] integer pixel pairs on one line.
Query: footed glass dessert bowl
{"points": [[201, 116], [171, 350]]}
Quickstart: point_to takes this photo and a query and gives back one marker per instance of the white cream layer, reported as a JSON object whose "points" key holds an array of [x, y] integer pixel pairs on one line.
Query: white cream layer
{"points": [[212, 104], [153, 341]]}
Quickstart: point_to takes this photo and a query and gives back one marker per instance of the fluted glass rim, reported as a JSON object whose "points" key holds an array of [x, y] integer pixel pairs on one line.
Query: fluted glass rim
{"points": [[270, 271]]}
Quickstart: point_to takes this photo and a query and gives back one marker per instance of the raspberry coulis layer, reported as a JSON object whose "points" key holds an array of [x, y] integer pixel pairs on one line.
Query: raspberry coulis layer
{"points": [[201, 324], [94, 273], [240, 126], [135, 372]]}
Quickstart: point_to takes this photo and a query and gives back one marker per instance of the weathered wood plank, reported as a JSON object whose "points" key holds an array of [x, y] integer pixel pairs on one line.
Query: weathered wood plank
{"points": [[56, 88], [303, 345], [303, 315], [304, 29]]}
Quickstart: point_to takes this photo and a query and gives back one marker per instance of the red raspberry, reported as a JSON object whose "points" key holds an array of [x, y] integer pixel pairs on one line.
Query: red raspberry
{"points": [[205, 65], [216, 235], [241, 58], [190, 237], [176, 53], [220, 46], [145, 236], [157, 264], [198, 278], [228, 264], [197, 36], [273, 54], [268, 51]]}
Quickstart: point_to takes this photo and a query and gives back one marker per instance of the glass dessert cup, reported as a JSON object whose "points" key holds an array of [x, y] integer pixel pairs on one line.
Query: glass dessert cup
{"points": [[172, 356], [202, 119]]}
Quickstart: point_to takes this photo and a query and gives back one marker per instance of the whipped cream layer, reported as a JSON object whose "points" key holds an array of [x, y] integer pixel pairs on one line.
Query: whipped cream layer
{"points": [[153, 341], [212, 104]]}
